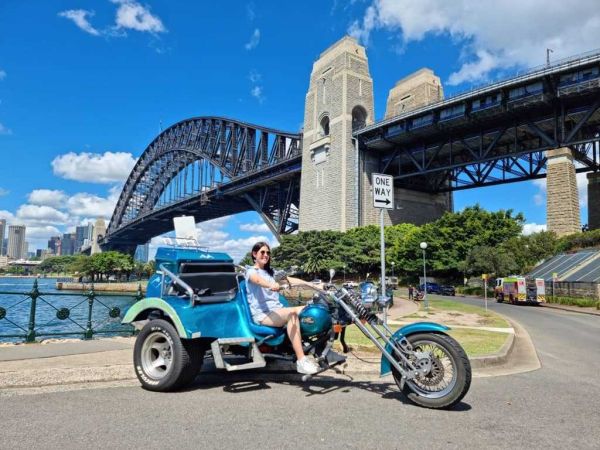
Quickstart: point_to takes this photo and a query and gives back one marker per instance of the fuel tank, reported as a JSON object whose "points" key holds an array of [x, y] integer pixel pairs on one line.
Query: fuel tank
{"points": [[314, 319]]}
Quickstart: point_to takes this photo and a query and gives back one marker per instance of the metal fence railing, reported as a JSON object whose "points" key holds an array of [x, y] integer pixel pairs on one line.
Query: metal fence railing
{"points": [[33, 314]]}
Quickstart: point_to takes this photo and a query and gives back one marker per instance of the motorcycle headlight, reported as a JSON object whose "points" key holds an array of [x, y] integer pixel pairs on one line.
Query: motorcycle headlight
{"points": [[372, 292]]}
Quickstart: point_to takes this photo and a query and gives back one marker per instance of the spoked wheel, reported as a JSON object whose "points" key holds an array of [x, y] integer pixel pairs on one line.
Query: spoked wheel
{"points": [[164, 362], [448, 375]]}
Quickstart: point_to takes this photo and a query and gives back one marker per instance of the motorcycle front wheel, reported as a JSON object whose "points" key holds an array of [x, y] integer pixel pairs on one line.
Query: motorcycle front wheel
{"points": [[449, 379]]}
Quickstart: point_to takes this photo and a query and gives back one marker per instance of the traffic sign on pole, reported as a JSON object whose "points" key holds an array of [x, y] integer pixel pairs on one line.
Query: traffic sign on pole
{"points": [[383, 191]]}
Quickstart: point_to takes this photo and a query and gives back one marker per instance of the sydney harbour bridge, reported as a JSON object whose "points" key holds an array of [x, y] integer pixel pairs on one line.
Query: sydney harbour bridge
{"points": [[211, 167]]}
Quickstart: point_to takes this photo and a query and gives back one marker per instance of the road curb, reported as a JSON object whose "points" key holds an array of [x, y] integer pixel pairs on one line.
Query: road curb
{"points": [[501, 357], [571, 309]]}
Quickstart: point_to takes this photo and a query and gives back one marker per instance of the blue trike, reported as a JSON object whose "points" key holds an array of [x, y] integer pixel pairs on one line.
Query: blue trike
{"points": [[196, 308]]}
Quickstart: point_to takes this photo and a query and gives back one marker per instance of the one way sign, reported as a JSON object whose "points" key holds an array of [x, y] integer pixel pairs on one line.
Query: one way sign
{"points": [[383, 191]]}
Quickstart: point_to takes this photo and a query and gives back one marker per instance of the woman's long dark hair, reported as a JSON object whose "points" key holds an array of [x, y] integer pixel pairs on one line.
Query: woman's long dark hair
{"points": [[255, 249]]}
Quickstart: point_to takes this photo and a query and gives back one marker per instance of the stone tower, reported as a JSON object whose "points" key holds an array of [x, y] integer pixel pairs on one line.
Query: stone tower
{"points": [[99, 232], [413, 91], [593, 200], [562, 197], [340, 97], [418, 89]]}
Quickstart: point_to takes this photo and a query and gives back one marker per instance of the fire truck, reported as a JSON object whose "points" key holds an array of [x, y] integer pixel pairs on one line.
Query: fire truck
{"points": [[517, 289]]}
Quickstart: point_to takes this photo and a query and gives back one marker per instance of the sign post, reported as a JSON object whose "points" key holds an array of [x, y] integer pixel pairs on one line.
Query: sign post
{"points": [[554, 278], [383, 198], [485, 278]]}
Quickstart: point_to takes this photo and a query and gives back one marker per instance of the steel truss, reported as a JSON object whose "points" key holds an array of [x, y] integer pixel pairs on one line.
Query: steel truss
{"points": [[503, 144], [209, 167]]}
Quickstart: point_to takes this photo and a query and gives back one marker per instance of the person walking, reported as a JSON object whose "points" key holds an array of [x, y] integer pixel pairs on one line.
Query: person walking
{"points": [[411, 292]]}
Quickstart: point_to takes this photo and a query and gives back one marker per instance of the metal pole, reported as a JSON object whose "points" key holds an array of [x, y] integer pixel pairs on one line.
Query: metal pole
{"points": [[485, 292], [382, 244], [425, 301], [34, 294]]}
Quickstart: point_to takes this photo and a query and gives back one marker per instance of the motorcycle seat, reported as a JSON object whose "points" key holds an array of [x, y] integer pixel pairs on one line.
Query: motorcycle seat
{"points": [[257, 329]]}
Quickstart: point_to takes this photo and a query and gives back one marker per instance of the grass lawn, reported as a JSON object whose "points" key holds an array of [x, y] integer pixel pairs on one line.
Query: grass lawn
{"points": [[475, 342], [456, 309]]}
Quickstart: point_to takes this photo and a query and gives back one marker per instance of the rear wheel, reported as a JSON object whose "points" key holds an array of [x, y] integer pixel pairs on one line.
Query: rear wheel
{"points": [[449, 376], [163, 362]]}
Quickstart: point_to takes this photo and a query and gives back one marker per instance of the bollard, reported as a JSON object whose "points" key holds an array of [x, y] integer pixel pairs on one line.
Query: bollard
{"points": [[88, 331], [34, 294]]}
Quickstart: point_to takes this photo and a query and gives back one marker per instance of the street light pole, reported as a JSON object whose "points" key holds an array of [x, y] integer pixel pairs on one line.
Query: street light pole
{"points": [[393, 264], [423, 246]]}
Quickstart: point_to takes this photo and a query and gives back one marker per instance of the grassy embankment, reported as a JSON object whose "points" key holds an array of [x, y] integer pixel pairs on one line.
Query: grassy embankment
{"points": [[476, 342]]}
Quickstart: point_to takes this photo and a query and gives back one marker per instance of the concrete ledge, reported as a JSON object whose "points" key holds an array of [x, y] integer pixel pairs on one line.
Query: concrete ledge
{"points": [[496, 359]]}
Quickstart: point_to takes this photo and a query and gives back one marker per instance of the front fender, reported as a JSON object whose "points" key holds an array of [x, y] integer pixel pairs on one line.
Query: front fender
{"points": [[155, 303], [418, 327]]}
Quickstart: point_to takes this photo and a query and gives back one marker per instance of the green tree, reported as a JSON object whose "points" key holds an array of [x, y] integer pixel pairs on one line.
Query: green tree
{"points": [[490, 260]]}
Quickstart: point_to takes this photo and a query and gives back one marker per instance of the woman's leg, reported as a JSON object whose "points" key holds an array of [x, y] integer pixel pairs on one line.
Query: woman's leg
{"points": [[289, 316]]}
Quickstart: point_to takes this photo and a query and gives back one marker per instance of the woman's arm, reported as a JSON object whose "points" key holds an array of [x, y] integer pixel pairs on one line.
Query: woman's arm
{"points": [[257, 279]]}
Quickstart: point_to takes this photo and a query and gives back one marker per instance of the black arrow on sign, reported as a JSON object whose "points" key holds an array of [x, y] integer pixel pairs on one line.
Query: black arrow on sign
{"points": [[386, 201]]}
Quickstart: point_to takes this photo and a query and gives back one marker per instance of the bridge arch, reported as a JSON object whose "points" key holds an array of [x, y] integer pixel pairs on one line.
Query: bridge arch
{"points": [[200, 159]]}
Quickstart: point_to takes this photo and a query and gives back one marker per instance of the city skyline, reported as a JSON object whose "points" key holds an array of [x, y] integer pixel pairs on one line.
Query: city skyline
{"points": [[104, 85]]}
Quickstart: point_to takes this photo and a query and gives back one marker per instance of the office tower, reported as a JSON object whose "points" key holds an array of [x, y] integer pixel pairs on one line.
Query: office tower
{"points": [[54, 245], [2, 234], [83, 233], [67, 244], [16, 241], [25, 250], [141, 253]]}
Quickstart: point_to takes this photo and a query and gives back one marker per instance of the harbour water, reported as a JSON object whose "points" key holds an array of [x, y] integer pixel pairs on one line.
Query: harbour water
{"points": [[15, 310]]}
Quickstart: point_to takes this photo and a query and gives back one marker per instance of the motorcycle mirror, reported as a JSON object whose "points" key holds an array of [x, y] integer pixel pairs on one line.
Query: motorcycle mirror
{"points": [[331, 274]]}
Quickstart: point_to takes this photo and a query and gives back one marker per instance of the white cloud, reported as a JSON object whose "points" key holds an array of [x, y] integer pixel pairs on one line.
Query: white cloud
{"points": [[256, 89], [530, 228], [257, 93], [7, 215], [131, 15], [492, 34], [254, 40], [84, 204], [2, 75], [3, 192], [41, 215], [250, 12], [254, 227], [41, 233], [79, 17], [47, 197], [94, 167], [4, 130]]}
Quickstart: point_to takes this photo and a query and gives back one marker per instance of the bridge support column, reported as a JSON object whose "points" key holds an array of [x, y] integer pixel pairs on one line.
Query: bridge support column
{"points": [[594, 200], [562, 199]]}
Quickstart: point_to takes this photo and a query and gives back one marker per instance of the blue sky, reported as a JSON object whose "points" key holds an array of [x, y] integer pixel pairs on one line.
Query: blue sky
{"points": [[86, 85]]}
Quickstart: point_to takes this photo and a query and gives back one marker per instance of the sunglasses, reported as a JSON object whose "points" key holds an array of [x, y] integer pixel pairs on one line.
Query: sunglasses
{"points": [[265, 252]]}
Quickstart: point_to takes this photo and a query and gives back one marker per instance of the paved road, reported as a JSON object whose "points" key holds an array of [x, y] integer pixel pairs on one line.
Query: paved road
{"points": [[557, 406]]}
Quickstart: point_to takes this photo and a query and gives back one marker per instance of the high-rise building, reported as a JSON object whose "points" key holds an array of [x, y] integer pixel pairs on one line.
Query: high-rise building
{"points": [[25, 250], [82, 234], [141, 253], [16, 242], [54, 245], [2, 234], [67, 244]]}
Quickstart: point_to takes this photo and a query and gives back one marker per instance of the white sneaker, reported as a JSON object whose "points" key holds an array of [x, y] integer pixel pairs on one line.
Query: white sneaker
{"points": [[306, 366]]}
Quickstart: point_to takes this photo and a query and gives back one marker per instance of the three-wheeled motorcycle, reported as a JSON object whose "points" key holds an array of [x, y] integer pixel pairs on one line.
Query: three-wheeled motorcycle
{"points": [[196, 308]]}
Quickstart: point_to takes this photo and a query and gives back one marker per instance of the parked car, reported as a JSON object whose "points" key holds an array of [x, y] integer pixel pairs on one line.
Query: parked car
{"points": [[447, 290], [317, 281], [432, 288], [350, 284]]}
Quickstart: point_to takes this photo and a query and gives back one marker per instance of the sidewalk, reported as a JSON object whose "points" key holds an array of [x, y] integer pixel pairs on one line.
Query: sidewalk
{"points": [[110, 359]]}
